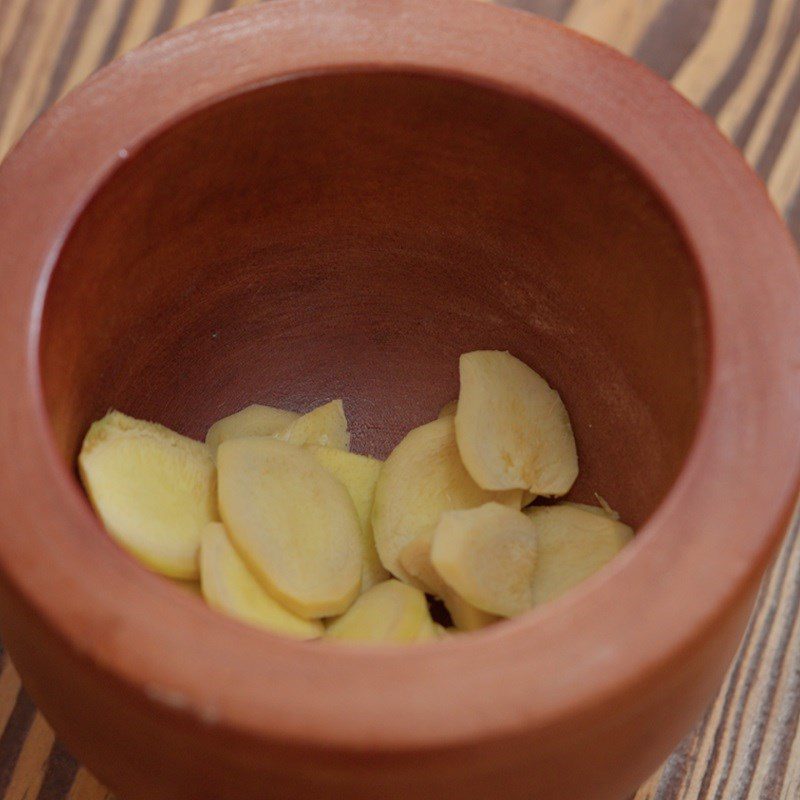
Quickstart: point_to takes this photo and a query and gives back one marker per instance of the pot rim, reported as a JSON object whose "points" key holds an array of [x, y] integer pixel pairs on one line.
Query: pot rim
{"points": [[629, 622]]}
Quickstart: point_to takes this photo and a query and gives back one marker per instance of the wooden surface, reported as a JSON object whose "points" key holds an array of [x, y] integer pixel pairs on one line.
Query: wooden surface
{"points": [[740, 61]]}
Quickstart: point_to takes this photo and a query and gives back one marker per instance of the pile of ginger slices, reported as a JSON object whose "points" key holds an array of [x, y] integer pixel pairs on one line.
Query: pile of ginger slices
{"points": [[273, 521]]}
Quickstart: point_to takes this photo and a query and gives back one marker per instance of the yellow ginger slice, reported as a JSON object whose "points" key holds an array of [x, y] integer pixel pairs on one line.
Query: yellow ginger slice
{"points": [[432, 633], [573, 544], [359, 474], [293, 523], [604, 510], [254, 420], [606, 507], [525, 497], [515, 498], [388, 612], [421, 478], [428, 633], [487, 555], [153, 489], [416, 561], [512, 428], [229, 586], [326, 425], [448, 409], [193, 587]]}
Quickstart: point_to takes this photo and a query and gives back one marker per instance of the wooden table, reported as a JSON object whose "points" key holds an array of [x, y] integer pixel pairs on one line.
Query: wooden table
{"points": [[737, 59]]}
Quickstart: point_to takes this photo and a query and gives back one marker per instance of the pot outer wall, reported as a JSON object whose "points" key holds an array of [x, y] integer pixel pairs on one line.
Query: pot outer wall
{"points": [[143, 749]]}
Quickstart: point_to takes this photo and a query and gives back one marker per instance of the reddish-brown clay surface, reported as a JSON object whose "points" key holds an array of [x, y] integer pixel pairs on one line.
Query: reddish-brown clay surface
{"points": [[307, 200], [351, 235]]}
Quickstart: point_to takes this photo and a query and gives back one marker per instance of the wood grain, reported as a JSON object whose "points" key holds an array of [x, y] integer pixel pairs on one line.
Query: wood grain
{"points": [[737, 59]]}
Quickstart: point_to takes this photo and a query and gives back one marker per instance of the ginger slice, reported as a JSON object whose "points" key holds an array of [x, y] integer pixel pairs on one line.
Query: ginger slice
{"points": [[421, 478], [326, 425], [603, 510], [293, 523], [526, 498], [488, 556], [153, 489], [573, 543], [388, 612], [432, 632], [429, 632], [229, 586], [416, 561], [512, 428], [449, 409], [606, 507], [358, 474], [515, 498], [255, 420], [193, 587], [509, 498]]}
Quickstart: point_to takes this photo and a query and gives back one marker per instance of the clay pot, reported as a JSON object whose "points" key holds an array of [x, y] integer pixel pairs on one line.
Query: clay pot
{"points": [[307, 200]]}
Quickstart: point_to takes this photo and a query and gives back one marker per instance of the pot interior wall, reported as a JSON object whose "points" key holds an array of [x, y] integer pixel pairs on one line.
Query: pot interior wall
{"points": [[349, 236]]}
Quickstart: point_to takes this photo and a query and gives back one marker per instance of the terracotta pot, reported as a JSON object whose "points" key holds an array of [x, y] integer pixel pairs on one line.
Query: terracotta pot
{"points": [[305, 200]]}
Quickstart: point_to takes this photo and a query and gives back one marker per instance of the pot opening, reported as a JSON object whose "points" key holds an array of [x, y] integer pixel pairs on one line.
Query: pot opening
{"points": [[349, 235]]}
